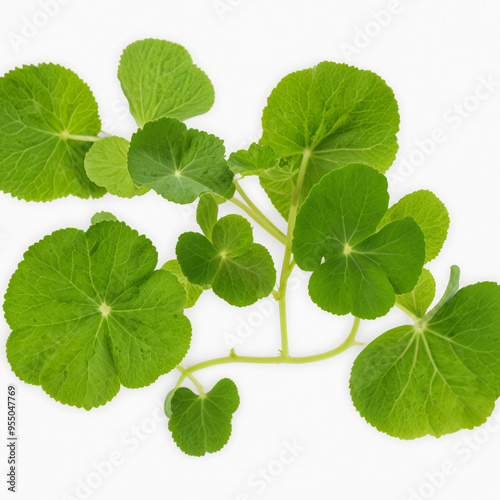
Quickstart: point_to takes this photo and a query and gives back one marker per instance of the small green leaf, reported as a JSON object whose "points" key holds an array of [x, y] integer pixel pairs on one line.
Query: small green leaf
{"points": [[254, 160], [240, 271], [101, 217], [341, 114], [88, 312], [362, 270], [277, 176], [193, 291], [420, 298], [46, 115], [106, 165], [436, 377], [160, 80], [201, 424], [177, 162], [206, 214], [431, 215]]}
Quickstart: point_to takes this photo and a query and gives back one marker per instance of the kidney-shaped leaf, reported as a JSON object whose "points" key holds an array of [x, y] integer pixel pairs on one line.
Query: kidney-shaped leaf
{"points": [[201, 424], [362, 270], [160, 80], [46, 114], [88, 312], [436, 377], [177, 162], [239, 270], [339, 113]]}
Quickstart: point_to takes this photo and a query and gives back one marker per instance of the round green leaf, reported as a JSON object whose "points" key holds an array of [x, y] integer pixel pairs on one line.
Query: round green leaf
{"points": [[88, 312], [340, 113], [201, 424], [355, 269], [106, 165], [159, 80], [239, 271], [47, 115], [431, 215], [436, 377], [177, 162]]}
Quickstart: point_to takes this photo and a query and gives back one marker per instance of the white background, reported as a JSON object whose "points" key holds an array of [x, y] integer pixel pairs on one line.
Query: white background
{"points": [[434, 55]]}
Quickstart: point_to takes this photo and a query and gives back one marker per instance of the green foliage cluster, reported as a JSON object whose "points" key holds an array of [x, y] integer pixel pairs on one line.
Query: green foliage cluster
{"points": [[92, 310]]}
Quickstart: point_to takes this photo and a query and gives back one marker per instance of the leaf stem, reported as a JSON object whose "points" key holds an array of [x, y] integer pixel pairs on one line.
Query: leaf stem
{"points": [[288, 262], [256, 209], [350, 341], [280, 295], [190, 376], [264, 223]]}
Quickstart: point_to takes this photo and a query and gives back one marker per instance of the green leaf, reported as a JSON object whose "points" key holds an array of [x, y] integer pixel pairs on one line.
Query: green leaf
{"points": [[160, 80], [362, 270], [167, 407], [450, 292], [436, 377], [46, 114], [201, 424], [106, 165], [177, 162], [254, 161], [193, 291], [277, 176], [341, 114], [240, 271], [420, 298], [278, 183], [206, 214], [431, 215], [232, 236], [102, 216], [88, 312]]}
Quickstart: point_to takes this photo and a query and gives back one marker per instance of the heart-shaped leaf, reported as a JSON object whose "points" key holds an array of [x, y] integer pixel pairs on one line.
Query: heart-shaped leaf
{"points": [[201, 424], [160, 80]]}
